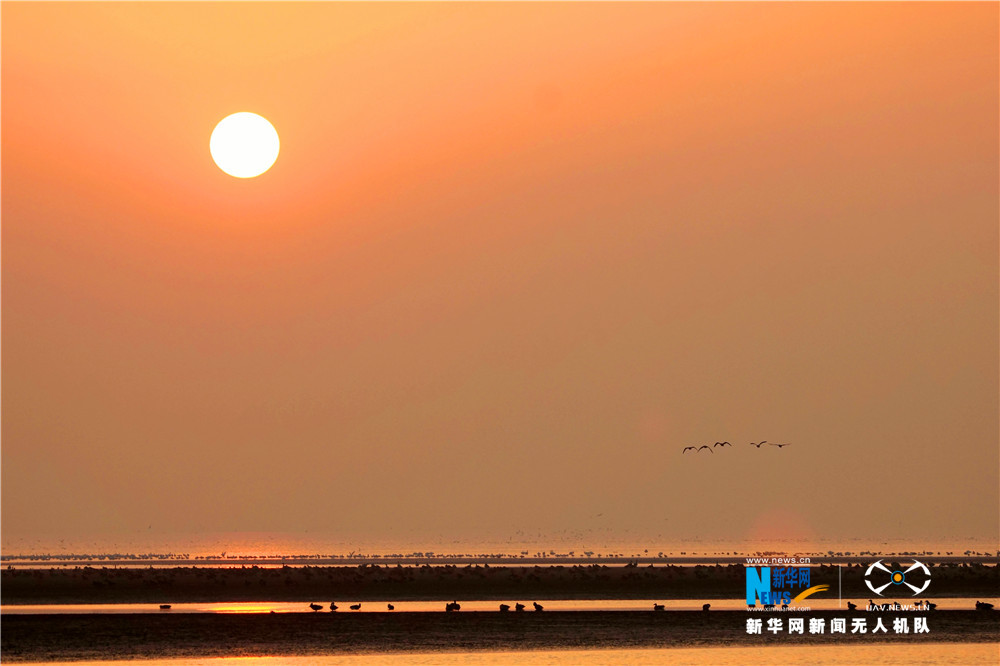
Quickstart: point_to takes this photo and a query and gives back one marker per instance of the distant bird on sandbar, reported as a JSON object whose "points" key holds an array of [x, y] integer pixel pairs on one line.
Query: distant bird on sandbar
{"points": [[658, 607], [983, 606], [164, 606], [356, 607], [689, 448], [929, 605], [333, 606], [705, 607], [504, 608], [518, 607], [851, 606], [722, 444], [453, 606], [780, 445], [315, 607], [537, 606], [390, 607]]}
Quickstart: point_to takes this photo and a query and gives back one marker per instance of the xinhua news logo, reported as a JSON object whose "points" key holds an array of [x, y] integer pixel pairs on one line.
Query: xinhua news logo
{"points": [[772, 586]]}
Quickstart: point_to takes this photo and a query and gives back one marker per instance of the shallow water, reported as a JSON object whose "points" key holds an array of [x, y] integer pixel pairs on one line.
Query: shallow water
{"points": [[953, 603], [938, 654]]}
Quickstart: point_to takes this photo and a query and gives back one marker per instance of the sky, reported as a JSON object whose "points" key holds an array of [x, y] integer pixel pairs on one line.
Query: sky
{"points": [[510, 261]]}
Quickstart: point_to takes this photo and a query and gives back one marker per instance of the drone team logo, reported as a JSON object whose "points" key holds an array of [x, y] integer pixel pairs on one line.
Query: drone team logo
{"points": [[898, 577]]}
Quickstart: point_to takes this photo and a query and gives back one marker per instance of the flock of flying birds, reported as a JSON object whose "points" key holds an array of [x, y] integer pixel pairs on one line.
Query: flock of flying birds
{"points": [[711, 449]]}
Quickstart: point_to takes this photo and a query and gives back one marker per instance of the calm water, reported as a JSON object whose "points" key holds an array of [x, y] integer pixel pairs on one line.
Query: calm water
{"points": [[955, 603], [938, 654]]}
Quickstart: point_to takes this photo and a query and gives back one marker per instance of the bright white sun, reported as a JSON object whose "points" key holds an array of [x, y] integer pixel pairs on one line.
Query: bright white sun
{"points": [[244, 144]]}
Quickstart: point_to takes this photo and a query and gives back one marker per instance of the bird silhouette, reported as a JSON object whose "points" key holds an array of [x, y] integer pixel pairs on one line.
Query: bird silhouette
{"points": [[756, 444], [689, 448], [518, 607], [356, 607], [707, 448], [537, 606], [657, 607], [851, 606], [504, 608], [333, 606], [780, 445], [722, 444], [315, 607], [391, 607], [705, 607]]}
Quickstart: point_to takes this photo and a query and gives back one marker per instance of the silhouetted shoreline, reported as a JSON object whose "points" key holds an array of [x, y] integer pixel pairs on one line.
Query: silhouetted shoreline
{"points": [[86, 585]]}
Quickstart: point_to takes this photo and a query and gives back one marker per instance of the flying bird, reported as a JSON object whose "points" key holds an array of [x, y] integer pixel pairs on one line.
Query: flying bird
{"points": [[781, 445], [722, 444], [756, 444], [689, 448], [707, 448]]}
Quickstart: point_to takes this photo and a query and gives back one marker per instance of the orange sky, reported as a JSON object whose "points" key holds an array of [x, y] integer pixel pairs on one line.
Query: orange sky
{"points": [[511, 259]]}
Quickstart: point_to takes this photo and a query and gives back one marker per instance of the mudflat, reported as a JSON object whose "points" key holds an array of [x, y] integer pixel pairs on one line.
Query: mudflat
{"points": [[92, 637], [86, 584]]}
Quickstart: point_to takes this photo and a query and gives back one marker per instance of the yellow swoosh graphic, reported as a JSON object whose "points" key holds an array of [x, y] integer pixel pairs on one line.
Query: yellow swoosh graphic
{"points": [[812, 590]]}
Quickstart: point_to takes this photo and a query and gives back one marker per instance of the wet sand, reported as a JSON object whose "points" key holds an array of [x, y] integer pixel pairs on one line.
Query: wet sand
{"points": [[100, 585], [91, 637]]}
